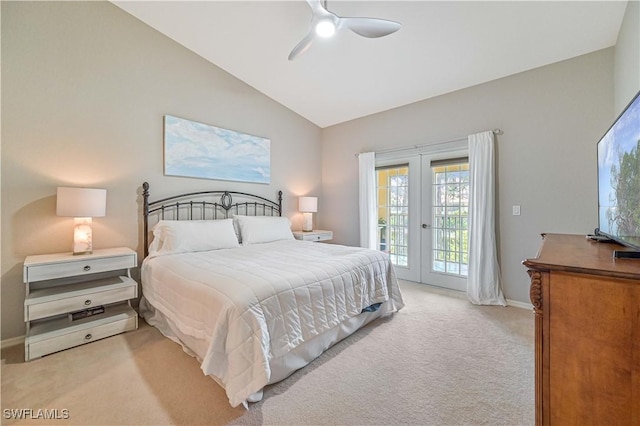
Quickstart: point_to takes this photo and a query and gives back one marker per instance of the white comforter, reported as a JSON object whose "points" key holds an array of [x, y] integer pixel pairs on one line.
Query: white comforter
{"points": [[258, 302]]}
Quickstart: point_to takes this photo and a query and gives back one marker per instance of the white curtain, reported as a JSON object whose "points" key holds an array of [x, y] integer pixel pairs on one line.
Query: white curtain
{"points": [[483, 282], [368, 222]]}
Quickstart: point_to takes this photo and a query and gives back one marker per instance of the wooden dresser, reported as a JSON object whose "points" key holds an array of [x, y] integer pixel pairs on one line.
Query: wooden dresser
{"points": [[587, 333]]}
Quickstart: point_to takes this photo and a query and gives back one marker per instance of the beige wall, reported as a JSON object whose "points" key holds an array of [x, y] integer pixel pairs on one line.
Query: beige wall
{"points": [[627, 57], [84, 90], [552, 118]]}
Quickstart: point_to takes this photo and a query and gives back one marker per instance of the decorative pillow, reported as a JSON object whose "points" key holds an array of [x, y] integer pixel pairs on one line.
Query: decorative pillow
{"points": [[181, 236], [263, 229]]}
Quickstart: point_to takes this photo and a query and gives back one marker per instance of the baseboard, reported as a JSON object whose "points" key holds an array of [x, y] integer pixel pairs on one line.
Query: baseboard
{"points": [[521, 305], [12, 342]]}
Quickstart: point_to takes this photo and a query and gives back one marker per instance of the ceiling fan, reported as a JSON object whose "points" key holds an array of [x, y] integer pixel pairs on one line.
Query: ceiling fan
{"points": [[325, 24]]}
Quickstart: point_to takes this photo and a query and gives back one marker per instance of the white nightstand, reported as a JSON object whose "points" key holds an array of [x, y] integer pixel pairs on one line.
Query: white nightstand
{"points": [[61, 284], [315, 235]]}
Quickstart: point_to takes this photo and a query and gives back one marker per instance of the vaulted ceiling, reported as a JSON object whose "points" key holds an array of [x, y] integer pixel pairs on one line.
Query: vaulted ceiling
{"points": [[442, 46]]}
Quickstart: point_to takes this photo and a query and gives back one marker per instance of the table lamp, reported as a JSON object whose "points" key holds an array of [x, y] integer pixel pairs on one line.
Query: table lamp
{"points": [[82, 204], [308, 206]]}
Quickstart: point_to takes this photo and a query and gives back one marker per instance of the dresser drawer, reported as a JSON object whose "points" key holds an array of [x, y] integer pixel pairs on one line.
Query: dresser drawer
{"points": [[81, 266], [52, 339], [76, 297]]}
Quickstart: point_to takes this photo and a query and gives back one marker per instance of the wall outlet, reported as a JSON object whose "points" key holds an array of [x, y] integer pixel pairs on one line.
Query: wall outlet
{"points": [[516, 210]]}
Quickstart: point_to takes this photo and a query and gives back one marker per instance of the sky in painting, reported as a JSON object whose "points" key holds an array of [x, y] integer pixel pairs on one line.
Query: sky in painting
{"points": [[199, 150]]}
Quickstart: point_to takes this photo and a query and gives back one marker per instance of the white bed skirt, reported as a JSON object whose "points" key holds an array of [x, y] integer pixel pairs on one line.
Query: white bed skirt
{"points": [[281, 367]]}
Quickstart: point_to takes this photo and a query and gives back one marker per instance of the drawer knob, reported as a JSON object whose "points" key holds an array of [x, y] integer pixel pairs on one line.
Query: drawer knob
{"points": [[87, 268], [88, 336], [87, 302]]}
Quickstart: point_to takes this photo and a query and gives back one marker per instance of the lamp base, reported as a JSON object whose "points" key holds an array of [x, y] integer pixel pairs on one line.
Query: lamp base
{"points": [[307, 222], [82, 236]]}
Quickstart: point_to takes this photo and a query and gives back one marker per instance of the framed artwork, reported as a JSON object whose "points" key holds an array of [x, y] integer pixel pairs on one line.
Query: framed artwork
{"points": [[198, 150]]}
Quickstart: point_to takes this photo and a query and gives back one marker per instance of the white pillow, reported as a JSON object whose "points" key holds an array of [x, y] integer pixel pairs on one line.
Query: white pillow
{"points": [[263, 229], [181, 236]]}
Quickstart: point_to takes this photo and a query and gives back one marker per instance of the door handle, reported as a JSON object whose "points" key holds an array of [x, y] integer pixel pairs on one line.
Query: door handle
{"points": [[425, 226]]}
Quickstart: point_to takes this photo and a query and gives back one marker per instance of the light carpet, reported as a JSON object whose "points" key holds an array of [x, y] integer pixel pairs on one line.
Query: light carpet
{"points": [[439, 361]]}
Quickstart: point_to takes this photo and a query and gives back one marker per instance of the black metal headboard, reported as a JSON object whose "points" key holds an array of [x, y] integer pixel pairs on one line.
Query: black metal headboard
{"points": [[205, 205]]}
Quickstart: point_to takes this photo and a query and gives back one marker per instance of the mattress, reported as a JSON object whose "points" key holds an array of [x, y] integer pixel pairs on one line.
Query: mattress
{"points": [[242, 309]]}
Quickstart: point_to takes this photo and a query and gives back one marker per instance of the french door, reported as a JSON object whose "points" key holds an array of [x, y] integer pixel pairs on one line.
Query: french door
{"points": [[398, 183], [445, 213], [423, 216]]}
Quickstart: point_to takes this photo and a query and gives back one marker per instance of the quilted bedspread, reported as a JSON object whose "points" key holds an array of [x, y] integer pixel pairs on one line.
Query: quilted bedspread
{"points": [[260, 301]]}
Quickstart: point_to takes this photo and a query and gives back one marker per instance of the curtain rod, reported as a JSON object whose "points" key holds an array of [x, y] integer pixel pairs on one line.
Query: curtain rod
{"points": [[384, 151]]}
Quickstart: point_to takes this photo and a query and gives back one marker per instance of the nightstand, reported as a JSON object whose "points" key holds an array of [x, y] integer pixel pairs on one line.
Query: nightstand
{"points": [[315, 235], [59, 285]]}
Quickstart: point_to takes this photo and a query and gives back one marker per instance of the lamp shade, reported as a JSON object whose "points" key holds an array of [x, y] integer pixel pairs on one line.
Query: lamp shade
{"points": [[81, 202], [308, 204]]}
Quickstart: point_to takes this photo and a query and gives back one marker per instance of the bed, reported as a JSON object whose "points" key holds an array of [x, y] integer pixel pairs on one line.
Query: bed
{"points": [[224, 277]]}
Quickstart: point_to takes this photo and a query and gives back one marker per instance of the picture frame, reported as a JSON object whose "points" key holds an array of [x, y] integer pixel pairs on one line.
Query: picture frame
{"points": [[199, 150]]}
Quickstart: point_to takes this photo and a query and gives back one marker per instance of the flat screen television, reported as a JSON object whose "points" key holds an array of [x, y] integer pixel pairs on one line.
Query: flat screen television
{"points": [[619, 180]]}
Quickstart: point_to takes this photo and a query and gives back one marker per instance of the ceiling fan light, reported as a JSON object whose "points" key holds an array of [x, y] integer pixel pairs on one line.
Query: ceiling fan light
{"points": [[325, 28]]}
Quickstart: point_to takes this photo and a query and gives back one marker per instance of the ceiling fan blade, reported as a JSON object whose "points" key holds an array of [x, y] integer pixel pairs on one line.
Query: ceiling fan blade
{"points": [[316, 6], [370, 27], [302, 46]]}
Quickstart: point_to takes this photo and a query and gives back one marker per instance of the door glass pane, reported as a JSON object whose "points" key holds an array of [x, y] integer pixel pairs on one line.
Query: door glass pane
{"points": [[450, 218], [393, 213]]}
